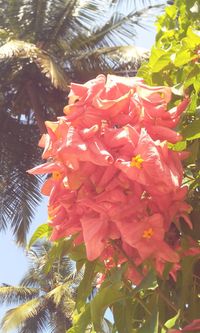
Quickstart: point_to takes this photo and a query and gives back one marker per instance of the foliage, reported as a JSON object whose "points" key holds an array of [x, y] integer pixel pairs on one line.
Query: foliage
{"points": [[18, 150], [175, 61], [44, 45], [45, 295]]}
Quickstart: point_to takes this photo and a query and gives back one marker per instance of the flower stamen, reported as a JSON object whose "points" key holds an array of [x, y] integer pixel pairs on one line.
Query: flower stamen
{"points": [[148, 233], [56, 175], [137, 161]]}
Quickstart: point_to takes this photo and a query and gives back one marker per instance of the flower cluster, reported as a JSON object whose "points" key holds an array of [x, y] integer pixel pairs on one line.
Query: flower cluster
{"points": [[115, 183]]}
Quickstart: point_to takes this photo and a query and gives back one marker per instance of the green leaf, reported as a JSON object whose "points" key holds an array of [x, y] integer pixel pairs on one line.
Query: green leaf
{"points": [[197, 84], [179, 146], [105, 297], [159, 59], [171, 322], [191, 74], [151, 325], [43, 230], [81, 320], [116, 273], [78, 253], [58, 250], [183, 57], [194, 150], [194, 36], [187, 279], [161, 63], [149, 282], [85, 287], [192, 108], [123, 316], [171, 11], [192, 131]]}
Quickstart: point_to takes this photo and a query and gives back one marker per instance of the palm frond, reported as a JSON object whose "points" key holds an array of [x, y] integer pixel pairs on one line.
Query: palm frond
{"points": [[16, 49], [118, 30], [19, 193], [12, 294], [62, 19], [57, 287], [31, 278], [36, 324], [61, 270], [14, 318], [127, 58], [123, 60], [11, 9], [58, 293], [59, 322]]}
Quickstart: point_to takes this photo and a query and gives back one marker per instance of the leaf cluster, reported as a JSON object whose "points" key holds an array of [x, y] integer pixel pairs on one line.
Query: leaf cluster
{"points": [[175, 61], [45, 295]]}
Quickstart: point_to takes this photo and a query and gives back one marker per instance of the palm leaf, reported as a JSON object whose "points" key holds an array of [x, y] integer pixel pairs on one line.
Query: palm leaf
{"points": [[64, 11], [58, 293], [16, 49], [62, 269], [36, 324], [14, 318], [31, 278], [11, 294], [119, 29], [59, 322], [57, 287], [19, 193], [11, 9], [124, 59]]}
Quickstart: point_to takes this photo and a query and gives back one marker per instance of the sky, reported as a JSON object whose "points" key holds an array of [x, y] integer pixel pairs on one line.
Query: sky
{"points": [[13, 261]]}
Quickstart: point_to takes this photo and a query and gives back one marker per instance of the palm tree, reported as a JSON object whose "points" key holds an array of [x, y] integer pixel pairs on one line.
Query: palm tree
{"points": [[45, 295], [44, 45]]}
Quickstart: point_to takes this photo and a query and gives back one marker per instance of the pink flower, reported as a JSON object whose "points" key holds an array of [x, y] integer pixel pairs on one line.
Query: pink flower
{"points": [[172, 206], [147, 236], [113, 182], [152, 164]]}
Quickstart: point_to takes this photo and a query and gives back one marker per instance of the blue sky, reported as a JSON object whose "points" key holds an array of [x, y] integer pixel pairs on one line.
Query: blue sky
{"points": [[13, 260]]}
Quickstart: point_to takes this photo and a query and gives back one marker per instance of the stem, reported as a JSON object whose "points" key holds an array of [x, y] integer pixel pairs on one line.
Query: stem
{"points": [[140, 301], [170, 304], [128, 258], [36, 106]]}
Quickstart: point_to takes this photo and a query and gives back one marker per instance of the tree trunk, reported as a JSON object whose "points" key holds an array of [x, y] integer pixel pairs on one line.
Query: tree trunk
{"points": [[36, 106]]}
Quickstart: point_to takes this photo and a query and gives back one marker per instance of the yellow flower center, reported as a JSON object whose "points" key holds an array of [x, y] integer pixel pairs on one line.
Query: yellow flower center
{"points": [[137, 161], [56, 175], [148, 233]]}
